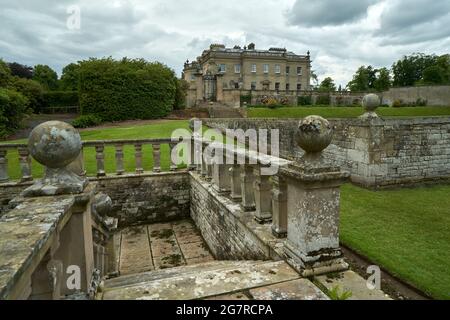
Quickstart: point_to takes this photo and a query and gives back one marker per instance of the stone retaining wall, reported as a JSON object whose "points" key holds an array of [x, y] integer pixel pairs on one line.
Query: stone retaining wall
{"points": [[378, 153], [137, 199], [230, 233]]}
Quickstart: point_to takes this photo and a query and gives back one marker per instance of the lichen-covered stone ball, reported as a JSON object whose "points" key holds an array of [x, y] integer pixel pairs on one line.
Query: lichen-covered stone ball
{"points": [[54, 144], [314, 134], [370, 102]]}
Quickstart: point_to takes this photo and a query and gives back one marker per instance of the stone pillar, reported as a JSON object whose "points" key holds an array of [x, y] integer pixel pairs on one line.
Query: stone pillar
{"points": [[221, 178], [236, 193], [156, 148], [138, 158], [173, 165], [119, 159], [100, 157], [279, 207], [313, 187], [263, 201], [248, 196], [3, 166], [25, 164]]}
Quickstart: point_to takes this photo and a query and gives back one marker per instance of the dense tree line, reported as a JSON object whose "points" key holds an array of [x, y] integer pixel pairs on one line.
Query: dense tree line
{"points": [[105, 89], [413, 70]]}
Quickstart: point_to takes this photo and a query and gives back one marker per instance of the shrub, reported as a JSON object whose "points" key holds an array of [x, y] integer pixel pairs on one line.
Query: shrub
{"points": [[421, 102], [323, 100], [13, 106], [126, 89], [246, 98], [397, 104], [86, 121], [61, 98], [304, 100], [32, 90]]}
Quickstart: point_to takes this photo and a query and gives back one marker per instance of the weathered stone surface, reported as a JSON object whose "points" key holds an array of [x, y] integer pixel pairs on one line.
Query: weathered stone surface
{"points": [[27, 232], [354, 283], [147, 198], [301, 289], [229, 232], [238, 276], [135, 253], [314, 134]]}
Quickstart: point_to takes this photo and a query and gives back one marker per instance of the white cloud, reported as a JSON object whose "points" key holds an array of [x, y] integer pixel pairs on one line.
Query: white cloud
{"points": [[341, 35]]}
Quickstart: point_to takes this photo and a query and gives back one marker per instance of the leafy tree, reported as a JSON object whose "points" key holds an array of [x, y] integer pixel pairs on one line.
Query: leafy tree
{"points": [[12, 110], [5, 74], [46, 76], [409, 70], [383, 80], [327, 85], [314, 77], [32, 90], [363, 79], [181, 90], [21, 70], [439, 73], [70, 77]]}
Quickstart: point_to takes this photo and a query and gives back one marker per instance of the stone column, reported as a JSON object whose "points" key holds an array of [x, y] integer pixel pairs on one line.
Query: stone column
{"points": [[100, 157], [156, 148], [263, 201], [248, 196], [119, 159], [138, 158], [3, 166], [173, 165], [221, 178], [279, 207], [313, 187], [236, 193], [25, 164]]}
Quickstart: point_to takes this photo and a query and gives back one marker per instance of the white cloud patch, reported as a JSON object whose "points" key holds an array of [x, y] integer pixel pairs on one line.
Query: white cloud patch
{"points": [[341, 35]]}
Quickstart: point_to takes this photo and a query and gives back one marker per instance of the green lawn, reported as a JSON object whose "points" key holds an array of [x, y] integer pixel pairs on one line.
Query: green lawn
{"points": [[406, 231], [345, 112], [160, 130]]}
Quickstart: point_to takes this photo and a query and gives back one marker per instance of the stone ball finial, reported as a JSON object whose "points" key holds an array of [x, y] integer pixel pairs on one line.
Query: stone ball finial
{"points": [[54, 144], [314, 134], [371, 102]]}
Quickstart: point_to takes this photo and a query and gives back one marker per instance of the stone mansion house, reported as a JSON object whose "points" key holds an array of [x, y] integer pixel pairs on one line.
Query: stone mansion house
{"points": [[226, 74]]}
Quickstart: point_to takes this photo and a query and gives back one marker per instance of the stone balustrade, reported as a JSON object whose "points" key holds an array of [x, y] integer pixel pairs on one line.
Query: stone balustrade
{"points": [[25, 164], [299, 199]]}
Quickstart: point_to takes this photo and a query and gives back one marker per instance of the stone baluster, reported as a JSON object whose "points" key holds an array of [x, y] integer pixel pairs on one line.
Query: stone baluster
{"points": [[25, 164], [236, 194], [204, 164], [222, 178], [100, 157], [138, 158], [119, 159], [263, 199], [279, 206], [247, 179], [173, 165], [3, 166], [156, 157], [313, 193]]}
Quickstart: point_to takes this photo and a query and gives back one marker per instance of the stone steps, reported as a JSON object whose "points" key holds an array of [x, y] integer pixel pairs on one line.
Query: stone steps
{"points": [[212, 279]]}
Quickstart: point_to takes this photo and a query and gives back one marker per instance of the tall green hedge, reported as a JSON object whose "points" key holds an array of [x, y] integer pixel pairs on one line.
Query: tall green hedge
{"points": [[13, 106], [126, 89], [61, 98]]}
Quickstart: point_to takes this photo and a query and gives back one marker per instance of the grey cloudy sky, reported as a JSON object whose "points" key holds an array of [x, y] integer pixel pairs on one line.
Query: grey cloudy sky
{"points": [[341, 34]]}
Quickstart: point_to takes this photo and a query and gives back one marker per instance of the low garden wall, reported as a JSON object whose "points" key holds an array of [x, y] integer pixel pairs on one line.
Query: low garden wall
{"points": [[378, 153], [137, 199]]}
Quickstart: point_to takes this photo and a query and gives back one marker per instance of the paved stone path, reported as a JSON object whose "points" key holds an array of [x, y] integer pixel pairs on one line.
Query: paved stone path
{"points": [[161, 246]]}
